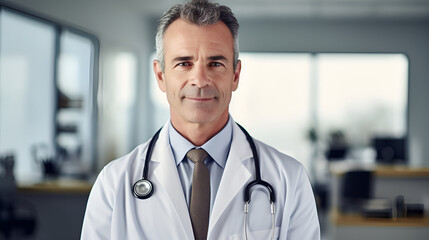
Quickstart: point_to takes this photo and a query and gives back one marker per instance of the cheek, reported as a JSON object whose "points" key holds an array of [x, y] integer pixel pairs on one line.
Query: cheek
{"points": [[226, 93], [170, 94], [173, 90]]}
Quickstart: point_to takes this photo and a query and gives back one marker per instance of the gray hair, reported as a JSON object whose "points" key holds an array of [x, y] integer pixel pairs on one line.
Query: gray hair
{"points": [[199, 12]]}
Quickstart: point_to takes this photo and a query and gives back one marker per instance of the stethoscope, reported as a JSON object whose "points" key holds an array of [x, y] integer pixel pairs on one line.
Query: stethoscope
{"points": [[144, 188]]}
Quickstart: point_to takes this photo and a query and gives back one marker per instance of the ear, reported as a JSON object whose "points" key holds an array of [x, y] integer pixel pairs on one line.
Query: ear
{"points": [[159, 75], [236, 76]]}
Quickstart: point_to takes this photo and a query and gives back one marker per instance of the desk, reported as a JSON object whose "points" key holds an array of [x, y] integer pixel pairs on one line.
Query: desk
{"points": [[340, 168], [400, 171], [357, 228], [59, 204], [340, 219], [388, 183], [57, 186]]}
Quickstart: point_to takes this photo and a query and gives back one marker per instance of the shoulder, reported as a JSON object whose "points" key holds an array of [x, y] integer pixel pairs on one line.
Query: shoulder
{"points": [[271, 160], [280, 166], [276, 157], [285, 172]]}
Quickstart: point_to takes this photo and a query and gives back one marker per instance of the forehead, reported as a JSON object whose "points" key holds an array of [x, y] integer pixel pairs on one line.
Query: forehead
{"points": [[185, 37]]}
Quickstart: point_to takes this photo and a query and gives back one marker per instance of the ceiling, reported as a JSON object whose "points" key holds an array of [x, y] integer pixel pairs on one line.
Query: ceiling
{"points": [[403, 9]]}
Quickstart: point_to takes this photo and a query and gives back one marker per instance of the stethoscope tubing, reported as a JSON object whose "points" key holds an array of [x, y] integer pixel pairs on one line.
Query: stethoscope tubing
{"points": [[149, 153], [258, 180], [247, 190]]}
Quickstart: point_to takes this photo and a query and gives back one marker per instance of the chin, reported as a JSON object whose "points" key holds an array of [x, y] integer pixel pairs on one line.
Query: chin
{"points": [[204, 117]]}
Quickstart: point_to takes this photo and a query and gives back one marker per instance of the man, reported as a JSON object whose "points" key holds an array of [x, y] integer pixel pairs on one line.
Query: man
{"points": [[198, 69]]}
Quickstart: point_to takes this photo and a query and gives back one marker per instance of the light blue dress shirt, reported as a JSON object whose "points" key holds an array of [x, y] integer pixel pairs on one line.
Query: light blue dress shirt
{"points": [[217, 148]]}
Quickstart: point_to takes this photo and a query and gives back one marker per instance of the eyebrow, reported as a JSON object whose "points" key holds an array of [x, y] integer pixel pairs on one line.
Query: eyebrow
{"points": [[217, 58], [212, 58], [185, 58]]}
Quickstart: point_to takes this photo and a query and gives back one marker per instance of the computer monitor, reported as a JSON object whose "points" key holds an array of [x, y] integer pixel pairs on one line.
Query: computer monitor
{"points": [[390, 150]]}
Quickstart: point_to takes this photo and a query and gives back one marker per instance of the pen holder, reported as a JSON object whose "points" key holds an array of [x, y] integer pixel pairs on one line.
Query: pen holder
{"points": [[51, 168]]}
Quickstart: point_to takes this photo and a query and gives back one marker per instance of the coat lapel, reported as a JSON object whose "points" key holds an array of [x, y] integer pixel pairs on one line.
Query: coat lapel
{"points": [[166, 173], [235, 175]]}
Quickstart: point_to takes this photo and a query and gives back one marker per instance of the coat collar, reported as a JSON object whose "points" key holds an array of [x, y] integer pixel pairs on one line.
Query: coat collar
{"points": [[166, 173], [234, 178]]}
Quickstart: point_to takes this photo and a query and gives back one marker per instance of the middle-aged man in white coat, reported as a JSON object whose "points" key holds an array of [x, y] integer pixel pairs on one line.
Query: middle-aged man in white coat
{"points": [[198, 68]]}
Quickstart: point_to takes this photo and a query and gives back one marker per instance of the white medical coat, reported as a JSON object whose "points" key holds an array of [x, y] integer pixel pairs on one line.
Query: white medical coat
{"points": [[114, 213]]}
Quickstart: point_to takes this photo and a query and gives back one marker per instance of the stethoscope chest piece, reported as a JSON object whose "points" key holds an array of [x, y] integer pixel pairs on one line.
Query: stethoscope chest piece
{"points": [[143, 189]]}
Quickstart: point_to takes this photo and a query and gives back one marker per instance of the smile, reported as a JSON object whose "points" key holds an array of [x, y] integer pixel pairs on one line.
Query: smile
{"points": [[200, 99]]}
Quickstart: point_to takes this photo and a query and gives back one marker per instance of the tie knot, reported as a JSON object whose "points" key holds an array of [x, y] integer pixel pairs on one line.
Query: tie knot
{"points": [[197, 155]]}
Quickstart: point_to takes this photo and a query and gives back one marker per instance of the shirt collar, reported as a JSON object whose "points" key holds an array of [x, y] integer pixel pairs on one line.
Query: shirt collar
{"points": [[217, 147]]}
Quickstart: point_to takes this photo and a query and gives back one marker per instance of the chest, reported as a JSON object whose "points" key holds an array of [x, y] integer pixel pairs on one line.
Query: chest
{"points": [[162, 217]]}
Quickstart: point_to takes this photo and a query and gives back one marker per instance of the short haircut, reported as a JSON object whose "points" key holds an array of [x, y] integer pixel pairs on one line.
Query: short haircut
{"points": [[199, 12]]}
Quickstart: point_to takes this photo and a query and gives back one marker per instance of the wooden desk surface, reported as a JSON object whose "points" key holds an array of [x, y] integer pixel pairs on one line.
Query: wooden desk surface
{"points": [[401, 171], [340, 219], [339, 169], [57, 186]]}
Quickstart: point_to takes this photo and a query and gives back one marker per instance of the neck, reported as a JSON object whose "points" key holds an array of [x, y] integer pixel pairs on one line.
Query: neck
{"points": [[199, 133]]}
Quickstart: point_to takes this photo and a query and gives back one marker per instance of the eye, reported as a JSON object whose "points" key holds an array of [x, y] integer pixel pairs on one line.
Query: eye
{"points": [[184, 64], [215, 64]]}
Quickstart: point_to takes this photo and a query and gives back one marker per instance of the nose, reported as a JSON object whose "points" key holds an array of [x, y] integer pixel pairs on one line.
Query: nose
{"points": [[199, 76]]}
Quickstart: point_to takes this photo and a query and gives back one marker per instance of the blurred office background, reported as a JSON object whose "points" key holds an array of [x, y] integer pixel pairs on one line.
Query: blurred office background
{"points": [[340, 85]]}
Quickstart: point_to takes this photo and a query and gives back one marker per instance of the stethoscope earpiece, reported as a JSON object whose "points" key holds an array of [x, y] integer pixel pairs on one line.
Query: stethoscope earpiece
{"points": [[143, 189]]}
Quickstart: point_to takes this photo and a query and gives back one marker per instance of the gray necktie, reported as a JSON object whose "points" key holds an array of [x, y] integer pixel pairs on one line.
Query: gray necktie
{"points": [[200, 197]]}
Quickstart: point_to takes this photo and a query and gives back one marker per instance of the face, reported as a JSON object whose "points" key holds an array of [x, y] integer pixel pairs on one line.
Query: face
{"points": [[198, 78]]}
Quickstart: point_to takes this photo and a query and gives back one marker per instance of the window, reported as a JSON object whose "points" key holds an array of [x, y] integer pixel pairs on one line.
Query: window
{"points": [[273, 100], [47, 95], [363, 95], [26, 89]]}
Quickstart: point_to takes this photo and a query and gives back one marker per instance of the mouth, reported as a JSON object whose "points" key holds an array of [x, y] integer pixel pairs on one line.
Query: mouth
{"points": [[199, 99]]}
